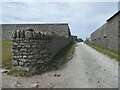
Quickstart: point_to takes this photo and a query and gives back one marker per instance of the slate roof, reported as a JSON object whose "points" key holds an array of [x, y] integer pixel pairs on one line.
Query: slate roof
{"points": [[118, 13]]}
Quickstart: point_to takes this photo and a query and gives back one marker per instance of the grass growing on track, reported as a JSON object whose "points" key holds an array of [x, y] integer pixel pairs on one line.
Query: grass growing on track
{"points": [[115, 54], [6, 54]]}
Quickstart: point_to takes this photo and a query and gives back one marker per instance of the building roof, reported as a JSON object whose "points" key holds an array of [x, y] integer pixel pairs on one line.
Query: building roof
{"points": [[114, 15], [73, 36], [104, 25]]}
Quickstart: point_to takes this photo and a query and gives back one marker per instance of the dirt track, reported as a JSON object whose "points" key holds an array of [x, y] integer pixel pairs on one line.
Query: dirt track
{"points": [[87, 69]]}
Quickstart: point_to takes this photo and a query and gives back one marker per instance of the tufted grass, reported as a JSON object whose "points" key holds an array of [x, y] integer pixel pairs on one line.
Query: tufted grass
{"points": [[115, 54], [6, 54]]}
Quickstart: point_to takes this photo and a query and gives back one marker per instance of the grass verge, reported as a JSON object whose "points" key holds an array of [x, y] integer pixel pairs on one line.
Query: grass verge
{"points": [[17, 73], [115, 54], [58, 60], [0, 53], [6, 54]]}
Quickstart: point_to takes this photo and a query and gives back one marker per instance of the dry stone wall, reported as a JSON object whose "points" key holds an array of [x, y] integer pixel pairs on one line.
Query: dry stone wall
{"points": [[32, 49]]}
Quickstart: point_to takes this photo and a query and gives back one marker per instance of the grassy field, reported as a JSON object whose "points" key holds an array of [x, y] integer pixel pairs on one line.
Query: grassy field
{"points": [[6, 53], [107, 51]]}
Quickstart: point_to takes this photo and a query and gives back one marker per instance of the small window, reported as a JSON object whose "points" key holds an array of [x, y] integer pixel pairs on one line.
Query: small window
{"points": [[119, 35], [104, 36]]}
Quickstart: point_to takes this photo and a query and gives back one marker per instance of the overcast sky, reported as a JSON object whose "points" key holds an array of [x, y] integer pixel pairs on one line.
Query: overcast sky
{"points": [[83, 17]]}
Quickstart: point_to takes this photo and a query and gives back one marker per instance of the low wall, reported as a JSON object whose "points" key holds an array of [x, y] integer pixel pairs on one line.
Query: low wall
{"points": [[32, 49]]}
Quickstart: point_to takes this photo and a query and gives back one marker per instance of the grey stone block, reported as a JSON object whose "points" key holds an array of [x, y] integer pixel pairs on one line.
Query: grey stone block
{"points": [[23, 50], [25, 57], [21, 63], [18, 33], [24, 60], [22, 34], [15, 63], [14, 35], [30, 57], [29, 34]]}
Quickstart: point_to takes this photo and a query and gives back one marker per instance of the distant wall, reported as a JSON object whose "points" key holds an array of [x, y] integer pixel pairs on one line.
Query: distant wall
{"points": [[32, 49], [108, 34], [58, 29]]}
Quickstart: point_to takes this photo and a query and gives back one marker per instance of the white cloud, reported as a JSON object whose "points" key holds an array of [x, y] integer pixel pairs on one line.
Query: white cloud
{"points": [[83, 18], [59, 0]]}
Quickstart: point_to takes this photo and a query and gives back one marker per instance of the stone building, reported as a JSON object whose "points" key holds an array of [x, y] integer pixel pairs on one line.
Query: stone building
{"points": [[108, 34], [74, 38], [60, 29], [80, 40]]}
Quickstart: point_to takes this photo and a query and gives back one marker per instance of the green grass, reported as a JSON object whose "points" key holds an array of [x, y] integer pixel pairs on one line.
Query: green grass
{"points": [[57, 61], [107, 51], [6, 54], [18, 73], [0, 53]]}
